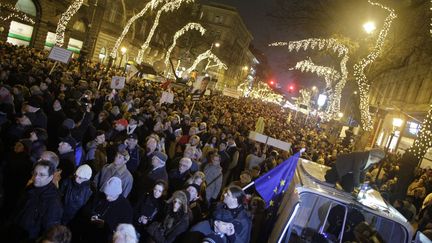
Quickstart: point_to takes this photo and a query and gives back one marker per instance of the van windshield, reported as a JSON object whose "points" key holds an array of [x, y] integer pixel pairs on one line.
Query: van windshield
{"points": [[321, 219]]}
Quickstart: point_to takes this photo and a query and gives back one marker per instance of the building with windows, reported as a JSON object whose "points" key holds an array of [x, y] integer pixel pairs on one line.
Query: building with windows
{"points": [[94, 29]]}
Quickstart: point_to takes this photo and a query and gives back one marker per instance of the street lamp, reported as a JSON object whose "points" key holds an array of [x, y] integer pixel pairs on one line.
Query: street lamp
{"points": [[214, 44], [340, 115], [314, 88], [123, 51], [369, 27]]}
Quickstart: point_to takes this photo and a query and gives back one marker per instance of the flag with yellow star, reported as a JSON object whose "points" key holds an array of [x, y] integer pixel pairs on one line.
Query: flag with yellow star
{"points": [[273, 184]]}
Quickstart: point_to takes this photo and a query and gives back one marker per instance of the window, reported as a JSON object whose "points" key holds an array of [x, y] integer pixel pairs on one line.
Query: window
{"points": [[26, 6]]}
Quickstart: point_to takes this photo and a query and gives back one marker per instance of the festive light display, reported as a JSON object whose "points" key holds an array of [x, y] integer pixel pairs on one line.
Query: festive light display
{"points": [[178, 34], [305, 97], [168, 7], [321, 44], [363, 84], [207, 54], [261, 91], [424, 138], [152, 4], [330, 75], [15, 13], [64, 20]]}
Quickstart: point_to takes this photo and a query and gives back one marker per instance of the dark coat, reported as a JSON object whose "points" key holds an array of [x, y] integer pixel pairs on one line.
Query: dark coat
{"points": [[136, 155], [74, 196], [41, 209], [354, 163], [148, 206], [173, 225], [177, 180], [67, 164], [38, 119]]}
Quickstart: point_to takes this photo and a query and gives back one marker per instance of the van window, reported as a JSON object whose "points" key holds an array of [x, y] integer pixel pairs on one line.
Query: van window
{"points": [[320, 219]]}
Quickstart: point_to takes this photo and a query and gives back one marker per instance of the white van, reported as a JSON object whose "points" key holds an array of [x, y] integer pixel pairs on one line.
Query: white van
{"points": [[314, 211]]}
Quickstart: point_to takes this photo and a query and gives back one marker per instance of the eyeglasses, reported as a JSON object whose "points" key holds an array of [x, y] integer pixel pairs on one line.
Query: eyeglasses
{"points": [[35, 174]]}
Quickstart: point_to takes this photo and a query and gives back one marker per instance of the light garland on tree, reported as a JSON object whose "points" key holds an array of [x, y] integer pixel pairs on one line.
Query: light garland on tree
{"points": [[207, 54], [330, 74], [363, 84], [152, 4], [168, 7], [305, 97], [261, 92], [178, 34], [424, 140], [15, 13], [321, 44], [64, 20]]}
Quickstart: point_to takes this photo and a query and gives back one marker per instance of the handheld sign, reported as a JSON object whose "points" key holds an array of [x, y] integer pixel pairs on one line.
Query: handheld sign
{"points": [[117, 82], [167, 97], [196, 97], [59, 54]]}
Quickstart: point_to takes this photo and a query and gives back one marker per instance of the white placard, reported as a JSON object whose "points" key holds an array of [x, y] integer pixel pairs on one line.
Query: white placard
{"points": [[60, 55], [167, 97], [118, 82], [258, 137], [279, 144]]}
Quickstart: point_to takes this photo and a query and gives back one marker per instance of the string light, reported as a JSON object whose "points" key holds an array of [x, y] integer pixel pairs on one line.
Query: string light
{"points": [[262, 92], [168, 7], [424, 139], [15, 13], [330, 75], [178, 34], [305, 97], [207, 54], [321, 44], [64, 20], [153, 4], [363, 84]]}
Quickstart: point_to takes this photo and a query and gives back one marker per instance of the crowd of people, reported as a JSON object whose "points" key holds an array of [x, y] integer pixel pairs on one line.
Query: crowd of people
{"points": [[86, 163]]}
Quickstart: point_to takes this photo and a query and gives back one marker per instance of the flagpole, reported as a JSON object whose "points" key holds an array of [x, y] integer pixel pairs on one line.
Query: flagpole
{"points": [[248, 185]]}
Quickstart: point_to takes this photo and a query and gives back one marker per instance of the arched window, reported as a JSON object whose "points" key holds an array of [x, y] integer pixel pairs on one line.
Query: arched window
{"points": [[26, 6]]}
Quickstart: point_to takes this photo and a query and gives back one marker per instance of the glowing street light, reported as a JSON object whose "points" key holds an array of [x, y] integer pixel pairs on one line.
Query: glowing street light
{"points": [[314, 88], [217, 44], [123, 51], [340, 114], [369, 27]]}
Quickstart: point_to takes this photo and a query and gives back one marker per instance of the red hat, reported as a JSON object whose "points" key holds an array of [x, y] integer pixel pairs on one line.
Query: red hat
{"points": [[122, 122]]}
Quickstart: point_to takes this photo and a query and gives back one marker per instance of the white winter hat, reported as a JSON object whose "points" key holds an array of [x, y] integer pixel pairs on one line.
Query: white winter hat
{"points": [[84, 171], [113, 187]]}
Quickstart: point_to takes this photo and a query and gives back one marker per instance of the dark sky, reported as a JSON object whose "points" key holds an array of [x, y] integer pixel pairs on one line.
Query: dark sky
{"points": [[254, 14]]}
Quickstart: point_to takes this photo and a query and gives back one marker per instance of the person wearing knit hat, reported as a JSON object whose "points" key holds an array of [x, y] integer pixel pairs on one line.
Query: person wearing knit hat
{"points": [[349, 169], [121, 122], [76, 192], [108, 212], [125, 233], [175, 222], [113, 188], [66, 151], [83, 173]]}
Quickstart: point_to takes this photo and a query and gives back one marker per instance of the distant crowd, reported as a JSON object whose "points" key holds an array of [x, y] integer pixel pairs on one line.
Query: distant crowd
{"points": [[85, 163]]}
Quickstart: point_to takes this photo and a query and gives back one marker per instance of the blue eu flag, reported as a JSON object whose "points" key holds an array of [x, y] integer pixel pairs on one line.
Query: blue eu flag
{"points": [[274, 183]]}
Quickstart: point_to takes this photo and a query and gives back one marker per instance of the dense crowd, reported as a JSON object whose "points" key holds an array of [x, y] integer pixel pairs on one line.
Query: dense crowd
{"points": [[81, 161]]}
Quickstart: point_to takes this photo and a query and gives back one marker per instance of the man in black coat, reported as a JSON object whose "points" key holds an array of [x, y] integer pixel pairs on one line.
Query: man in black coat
{"points": [[41, 207], [66, 151], [349, 169]]}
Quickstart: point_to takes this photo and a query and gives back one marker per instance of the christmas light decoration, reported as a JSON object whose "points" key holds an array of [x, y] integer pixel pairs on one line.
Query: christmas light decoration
{"points": [[321, 44], [64, 20], [424, 139], [363, 84], [178, 34], [15, 13], [305, 97], [330, 75], [261, 91], [168, 7], [152, 4], [207, 54]]}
